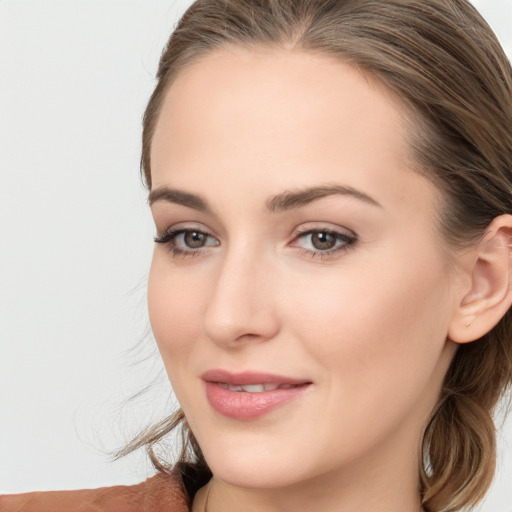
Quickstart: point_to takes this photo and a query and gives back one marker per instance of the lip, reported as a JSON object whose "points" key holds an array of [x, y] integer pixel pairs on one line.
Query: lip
{"points": [[242, 405]]}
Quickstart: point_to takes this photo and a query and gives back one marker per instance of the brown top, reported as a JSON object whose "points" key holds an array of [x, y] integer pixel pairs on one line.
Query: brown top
{"points": [[160, 493]]}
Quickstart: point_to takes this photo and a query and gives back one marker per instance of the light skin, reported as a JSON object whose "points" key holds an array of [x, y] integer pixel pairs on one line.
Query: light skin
{"points": [[318, 257]]}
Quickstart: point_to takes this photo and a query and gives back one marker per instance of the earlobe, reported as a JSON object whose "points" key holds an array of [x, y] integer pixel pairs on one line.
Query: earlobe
{"points": [[490, 294]]}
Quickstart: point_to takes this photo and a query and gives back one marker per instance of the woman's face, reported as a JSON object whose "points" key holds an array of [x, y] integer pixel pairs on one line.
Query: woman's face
{"points": [[300, 259]]}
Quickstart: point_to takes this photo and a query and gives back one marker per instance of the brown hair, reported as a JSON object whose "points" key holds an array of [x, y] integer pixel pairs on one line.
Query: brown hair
{"points": [[444, 62]]}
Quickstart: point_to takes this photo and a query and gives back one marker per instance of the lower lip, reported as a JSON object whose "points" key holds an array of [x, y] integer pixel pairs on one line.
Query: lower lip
{"points": [[242, 405]]}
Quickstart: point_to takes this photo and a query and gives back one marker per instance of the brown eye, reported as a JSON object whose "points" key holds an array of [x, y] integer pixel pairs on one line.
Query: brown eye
{"points": [[323, 241], [195, 239], [186, 242]]}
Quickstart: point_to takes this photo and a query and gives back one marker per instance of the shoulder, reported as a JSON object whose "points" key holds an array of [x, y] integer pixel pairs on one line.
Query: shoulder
{"points": [[161, 492]]}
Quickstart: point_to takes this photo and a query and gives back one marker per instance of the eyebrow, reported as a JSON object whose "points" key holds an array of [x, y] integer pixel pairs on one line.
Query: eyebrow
{"points": [[178, 197], [285, 201], [299, 198]]}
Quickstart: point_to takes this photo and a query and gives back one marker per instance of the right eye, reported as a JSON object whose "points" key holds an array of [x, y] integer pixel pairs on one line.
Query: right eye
{"points": [[186, 242]]}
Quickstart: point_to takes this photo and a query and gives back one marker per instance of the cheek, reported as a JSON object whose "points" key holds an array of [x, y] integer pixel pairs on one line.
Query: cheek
{"points": [[377, 345], [175, 311], [378, 325]]}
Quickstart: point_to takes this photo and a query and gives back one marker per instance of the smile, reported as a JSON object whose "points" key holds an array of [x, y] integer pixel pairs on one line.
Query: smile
{"points": [[250, 395]]}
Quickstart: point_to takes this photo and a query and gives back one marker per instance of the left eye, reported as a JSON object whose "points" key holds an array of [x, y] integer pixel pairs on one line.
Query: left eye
{"points": [[192, 239], [324, 241]]}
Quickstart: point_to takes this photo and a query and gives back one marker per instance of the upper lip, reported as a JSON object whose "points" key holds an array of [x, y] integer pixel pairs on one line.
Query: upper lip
{"points": [[249, 377]]}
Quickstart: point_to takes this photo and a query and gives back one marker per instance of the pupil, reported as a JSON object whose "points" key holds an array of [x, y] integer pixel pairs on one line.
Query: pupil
{"points": [[194, 239], [323, 241]]}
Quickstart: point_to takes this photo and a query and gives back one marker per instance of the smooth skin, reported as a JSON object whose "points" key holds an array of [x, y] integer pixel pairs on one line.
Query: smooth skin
{"points": [[353, 288]]}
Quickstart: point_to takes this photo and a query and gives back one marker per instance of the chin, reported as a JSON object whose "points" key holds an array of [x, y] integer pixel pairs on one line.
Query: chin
{"points": [[257, 461], [249, 474]]}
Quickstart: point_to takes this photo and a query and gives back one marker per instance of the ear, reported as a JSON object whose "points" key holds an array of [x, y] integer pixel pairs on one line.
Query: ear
{"points": [[490, 293]]}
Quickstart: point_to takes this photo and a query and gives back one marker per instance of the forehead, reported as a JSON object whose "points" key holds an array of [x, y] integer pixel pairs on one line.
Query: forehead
{"points": [[267, 94], [281, 119]]}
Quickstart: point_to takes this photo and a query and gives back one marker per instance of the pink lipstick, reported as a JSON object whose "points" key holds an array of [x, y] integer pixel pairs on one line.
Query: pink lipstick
{"points": [[249, 395]]}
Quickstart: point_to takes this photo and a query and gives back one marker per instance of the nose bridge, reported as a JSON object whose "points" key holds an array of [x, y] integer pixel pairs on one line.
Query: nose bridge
{"points": [[240, 306]]}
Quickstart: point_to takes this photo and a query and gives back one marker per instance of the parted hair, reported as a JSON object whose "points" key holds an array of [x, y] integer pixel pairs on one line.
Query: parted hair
{"points": [[442, 60]]}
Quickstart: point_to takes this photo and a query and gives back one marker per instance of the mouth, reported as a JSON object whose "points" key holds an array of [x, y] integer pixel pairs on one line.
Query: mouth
{"points": [[249, 395]]}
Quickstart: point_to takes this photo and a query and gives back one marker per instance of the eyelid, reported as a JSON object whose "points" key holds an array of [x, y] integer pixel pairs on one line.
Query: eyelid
{"points": [[309, 227], [184, 226]]}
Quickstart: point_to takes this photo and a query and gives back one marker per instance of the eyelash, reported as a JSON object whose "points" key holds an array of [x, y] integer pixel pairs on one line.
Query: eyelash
{"points": [[343, 240], [169, 239]]}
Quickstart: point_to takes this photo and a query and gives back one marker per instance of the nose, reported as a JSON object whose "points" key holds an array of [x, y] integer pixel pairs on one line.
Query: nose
{"points": [[241, 307]]}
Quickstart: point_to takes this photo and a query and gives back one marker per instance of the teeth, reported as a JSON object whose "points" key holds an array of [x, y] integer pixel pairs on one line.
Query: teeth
{"points": [[231, 388], [255, 388]]}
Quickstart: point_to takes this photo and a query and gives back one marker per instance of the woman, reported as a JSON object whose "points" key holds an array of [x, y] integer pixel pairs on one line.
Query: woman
{"points": [[330, 288]]}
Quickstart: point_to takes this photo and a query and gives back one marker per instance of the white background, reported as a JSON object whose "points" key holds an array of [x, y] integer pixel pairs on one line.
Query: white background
{"points": [[76, 240]]}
